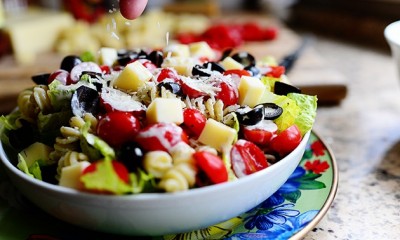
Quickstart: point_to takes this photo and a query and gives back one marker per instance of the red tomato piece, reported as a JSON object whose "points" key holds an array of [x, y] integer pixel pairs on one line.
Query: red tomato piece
{"points": [[117, 128], [269, 33], [229, 94], [261, 133], [169, 73], [247, 158], [60, 75], [191, 91], [160, 136], [212, 166], [105, 69], [193, 121], [252, 32], [286, 141], [239, 72], [276, 71], [186, 38], [118, 167]]}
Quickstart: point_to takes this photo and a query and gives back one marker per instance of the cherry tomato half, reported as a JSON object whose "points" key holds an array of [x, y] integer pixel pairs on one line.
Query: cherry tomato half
{"points": [[160, 136], [229, 95], [193, 121], [286, 141], [212, 166], [247, 158], [261, 133], [117, 128]]}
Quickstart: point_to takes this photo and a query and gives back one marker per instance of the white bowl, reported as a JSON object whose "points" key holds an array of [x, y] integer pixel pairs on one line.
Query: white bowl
{"points": [[392, 36], [156, 213]]}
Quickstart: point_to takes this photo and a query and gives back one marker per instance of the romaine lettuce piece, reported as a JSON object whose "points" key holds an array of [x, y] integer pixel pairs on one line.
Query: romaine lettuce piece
{"points": [[97, 143], [32, 171], [308, 111], [142, 182], [105, 179], [290, 112]]}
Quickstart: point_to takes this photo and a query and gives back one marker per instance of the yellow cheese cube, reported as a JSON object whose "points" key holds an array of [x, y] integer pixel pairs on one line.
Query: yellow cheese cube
{"points": [[70, 175], [165, 110], [108, 56], [134, 76], [217, 135], [201, 49], [182, 65], [35, 31], [36, 152], [229, 63], [177, 50], [251, 90]]}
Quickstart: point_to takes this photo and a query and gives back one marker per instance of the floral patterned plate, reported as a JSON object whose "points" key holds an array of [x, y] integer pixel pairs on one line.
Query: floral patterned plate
{"points": [[291, 212]]}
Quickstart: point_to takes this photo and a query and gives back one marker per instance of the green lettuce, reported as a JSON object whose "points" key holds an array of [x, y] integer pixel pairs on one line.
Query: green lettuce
{"points": [[33, 170], [308, 111], [142, 182], [94, 143], [104, 178], [290, 112]]}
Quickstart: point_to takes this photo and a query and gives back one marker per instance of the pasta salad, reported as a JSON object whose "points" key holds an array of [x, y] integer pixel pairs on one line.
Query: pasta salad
{"points": [[156, 120]]}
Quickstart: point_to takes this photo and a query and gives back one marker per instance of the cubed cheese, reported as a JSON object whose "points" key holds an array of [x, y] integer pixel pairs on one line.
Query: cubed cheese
{"points": [[36, 152], [201, 49], [229, 63], [35, 31], [108, 56], [217, 135], [70, 175], [165, 110], [182, 65], [251, 90], [177, 50], [134, 76]]}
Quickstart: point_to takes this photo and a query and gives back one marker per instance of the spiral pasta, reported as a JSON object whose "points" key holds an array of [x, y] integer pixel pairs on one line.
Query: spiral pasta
{"points": [[68, 159], [182, 175], [70, 139], [211, 108]]}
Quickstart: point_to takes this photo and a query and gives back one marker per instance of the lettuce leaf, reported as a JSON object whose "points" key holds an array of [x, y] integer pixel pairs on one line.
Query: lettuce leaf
{"points": [[97, 143], [142, 182], [32, 171], [290, 112], [105, 179], [308, 111]]}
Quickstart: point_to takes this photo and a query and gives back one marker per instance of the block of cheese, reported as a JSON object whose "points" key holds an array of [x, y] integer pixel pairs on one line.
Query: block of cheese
{"points": [[36, 152], [251, 90], [182, 65], [108, 56], [229, 63], [217, 135], [177, 50], [70, 175], [165, 110], [201, 49], [134, 76], [34, 32]]}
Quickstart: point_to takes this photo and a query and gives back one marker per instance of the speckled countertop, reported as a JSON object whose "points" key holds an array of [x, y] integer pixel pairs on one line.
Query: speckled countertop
{"points": [[364, 134]]}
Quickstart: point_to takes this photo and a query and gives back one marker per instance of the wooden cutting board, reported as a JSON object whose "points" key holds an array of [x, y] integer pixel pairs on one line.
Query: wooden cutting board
{"points": [[311, 73]]}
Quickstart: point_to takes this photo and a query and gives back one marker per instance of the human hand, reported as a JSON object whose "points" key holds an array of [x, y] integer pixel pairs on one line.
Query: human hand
{"points": [[132, 9]]}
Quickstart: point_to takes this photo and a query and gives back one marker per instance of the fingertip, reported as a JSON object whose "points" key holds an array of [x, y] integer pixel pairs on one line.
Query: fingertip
{"points": [[131, 9]]}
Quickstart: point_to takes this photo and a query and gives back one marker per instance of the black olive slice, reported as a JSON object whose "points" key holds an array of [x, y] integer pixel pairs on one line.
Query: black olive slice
{"points": [[123, 60], [199, 70], [282, 88], [245, 58], [214, 67], [41, 79], [156, 57], [271, 110], [69, 62], [173, 87], [226, 53], [85, 100], [131, 155], [251, 117]]}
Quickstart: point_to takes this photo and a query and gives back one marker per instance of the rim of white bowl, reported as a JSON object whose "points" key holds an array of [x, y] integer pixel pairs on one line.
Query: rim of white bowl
{"points": [[145, 196], [392, 32]]}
